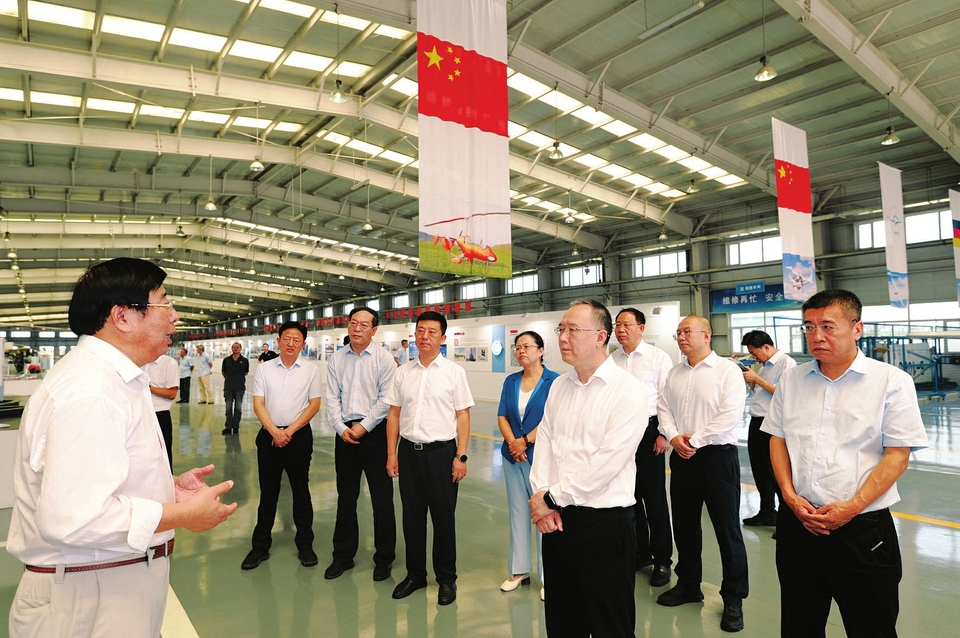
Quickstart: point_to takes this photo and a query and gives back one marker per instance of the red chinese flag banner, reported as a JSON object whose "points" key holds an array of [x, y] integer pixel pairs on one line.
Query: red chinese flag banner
{"points": [[795, 211], [464, 152], [955, 215]]}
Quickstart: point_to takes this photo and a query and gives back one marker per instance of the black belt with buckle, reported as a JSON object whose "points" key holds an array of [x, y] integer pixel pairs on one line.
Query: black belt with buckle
{"points": [[159, 551], [434, 445]]}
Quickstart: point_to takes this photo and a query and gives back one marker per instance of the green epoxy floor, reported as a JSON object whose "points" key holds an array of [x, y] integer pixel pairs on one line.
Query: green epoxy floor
{"points": [[282, 598]]}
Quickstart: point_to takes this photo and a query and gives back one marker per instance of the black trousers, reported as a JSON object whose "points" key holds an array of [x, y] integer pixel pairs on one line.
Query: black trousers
{"points": [[368, 457], [272, 462], [234, 407], [654, 539], [758, 447], [711, 477], [166, 428], [588, 574], [185, 389], [858, 565], [426, 485]]}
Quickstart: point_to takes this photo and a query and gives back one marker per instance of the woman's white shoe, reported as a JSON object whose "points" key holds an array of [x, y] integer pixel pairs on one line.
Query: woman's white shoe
{"points": [[541, 594], [511, 584]]}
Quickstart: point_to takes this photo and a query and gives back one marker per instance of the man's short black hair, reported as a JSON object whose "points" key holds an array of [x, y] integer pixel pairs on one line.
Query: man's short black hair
{"points": [[756, 339], [601, 315], [637, 314], [287, 325], [376, 315], [431, 315], [125, 282], [835, 297]]}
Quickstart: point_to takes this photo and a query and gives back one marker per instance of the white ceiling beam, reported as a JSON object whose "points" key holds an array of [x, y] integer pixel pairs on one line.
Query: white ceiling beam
{"points": [[835, 32]]}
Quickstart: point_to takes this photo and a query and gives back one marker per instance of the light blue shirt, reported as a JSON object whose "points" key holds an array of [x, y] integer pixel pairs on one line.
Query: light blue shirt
{"points": [[203, 364], [185, 366], [403, 355], [357, 385], [770, 371], [287, 392], [835, 431]]}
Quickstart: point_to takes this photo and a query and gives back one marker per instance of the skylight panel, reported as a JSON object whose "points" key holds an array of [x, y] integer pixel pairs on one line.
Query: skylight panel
{"points": [[251, 122], [647, 141], [672, 153], [550, 206], [115, 106], [514, 129], [730, 180], [656, 187], [637, 179], [206, 116], [345, 21], [336, 138], [537, 139], [566, 211], [64, 16], [391, 32], [197, 40], [560, 101], [393, 156], [364, 147], [8, 8], [150, 31], [713, 172], [530, 200], [615, 170], [288, 127], [404, 85], [351, 69], [56, 99], [526, 85], [514, 194], [591, 115], [584, 217], [590, 161], [415, 165], [673, 192], [14, 95], [293, 8], [307, 61], [618, 128], [255, 51], [694, 163], [161, 111], [568, 150], [349, 246]]}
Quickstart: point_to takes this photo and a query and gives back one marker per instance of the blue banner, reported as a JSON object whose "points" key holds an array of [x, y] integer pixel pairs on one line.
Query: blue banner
{"points": [[750, 287], [728, 300]]}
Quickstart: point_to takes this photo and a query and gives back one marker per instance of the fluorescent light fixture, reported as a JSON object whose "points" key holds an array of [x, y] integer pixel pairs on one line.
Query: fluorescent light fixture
{"points": [[364, 147], [527, 85], [114, 106], [255, 51], [536, 139], [309, 61], [672, 153], [669, 22], [64, 16], [615, 170], [393, 156], [713, 172], [591, 115], [694, 163], [590, 161], [637, 179], [618, 128], [730, 180], [150, 31], [560, 101], [197, 40], [647, 141], [656, 187]]}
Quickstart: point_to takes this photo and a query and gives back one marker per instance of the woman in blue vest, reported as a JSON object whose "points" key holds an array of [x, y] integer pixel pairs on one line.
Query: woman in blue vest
{"points": [[521, 409]]}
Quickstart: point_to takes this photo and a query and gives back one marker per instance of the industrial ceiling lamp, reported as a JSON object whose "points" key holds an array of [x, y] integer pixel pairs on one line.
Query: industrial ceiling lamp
{"points": [[180, 232], [337, 97], [256, 165], [574, 252], [693, 188], [556, 153], [663, 234], [12, 254], [891, 137], [159, 249], [210, 205], [766, 72]]}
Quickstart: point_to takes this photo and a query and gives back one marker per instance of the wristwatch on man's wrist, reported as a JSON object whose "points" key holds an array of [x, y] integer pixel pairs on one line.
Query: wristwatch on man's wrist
{"points": [[461, 457], [548, 499]]}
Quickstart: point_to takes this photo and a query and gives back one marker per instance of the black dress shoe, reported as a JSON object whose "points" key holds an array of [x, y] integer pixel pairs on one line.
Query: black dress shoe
{"points": [[254, 558], [679, 595], [660, 576], [308, 557], [225, 431], [761, 520], [732, 618], [642, 562], [336, 569], [381, 572], [448, 593], [407, 587]]}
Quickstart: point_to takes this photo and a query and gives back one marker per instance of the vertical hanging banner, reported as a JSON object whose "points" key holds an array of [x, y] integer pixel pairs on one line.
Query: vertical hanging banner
{"points": [[795, 210], [955, 213], [464, 153], [891, 194]]}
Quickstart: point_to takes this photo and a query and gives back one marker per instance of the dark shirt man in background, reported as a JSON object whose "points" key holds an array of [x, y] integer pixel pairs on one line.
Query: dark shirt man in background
{"points": [[234, 370]]}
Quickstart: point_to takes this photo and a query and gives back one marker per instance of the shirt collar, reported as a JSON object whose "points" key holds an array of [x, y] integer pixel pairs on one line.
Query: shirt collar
{"points": [[604, 372], [859, 366], [126, 368], [296, 364], [367, 350], [710, 360], [776, 357]]}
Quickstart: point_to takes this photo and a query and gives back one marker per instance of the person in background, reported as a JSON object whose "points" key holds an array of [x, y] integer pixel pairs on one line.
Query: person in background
{"points": [[842, 428], [773, 364], [403, 353], [522, 399], [95, 505], [651, 365], [186, 369], [164, 373], [204, 364], [429, 419], [286, 395], [267, 354], [234, 370]]}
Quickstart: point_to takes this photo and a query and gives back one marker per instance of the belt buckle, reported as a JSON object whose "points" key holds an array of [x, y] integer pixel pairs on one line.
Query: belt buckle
{"points": [[418, 446]]}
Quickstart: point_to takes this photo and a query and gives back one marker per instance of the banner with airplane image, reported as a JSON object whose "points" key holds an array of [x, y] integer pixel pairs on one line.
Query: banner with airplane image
{"points": [[891, 194]]}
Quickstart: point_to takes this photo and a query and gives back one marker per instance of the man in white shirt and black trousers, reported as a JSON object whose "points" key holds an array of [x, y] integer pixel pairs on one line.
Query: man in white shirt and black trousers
{"points": [[583, 478], [429, 418], [700, 407]]}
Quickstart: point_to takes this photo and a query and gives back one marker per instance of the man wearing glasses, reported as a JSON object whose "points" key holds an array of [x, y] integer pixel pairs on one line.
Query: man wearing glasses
{"points": [[583, 477], [843, 427], [651, 365], [699, 408], [358, 377], [95, 504], [286, 395]]}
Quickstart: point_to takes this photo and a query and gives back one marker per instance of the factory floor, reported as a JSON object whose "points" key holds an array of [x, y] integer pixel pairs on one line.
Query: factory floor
{"points": [[212, 597]]}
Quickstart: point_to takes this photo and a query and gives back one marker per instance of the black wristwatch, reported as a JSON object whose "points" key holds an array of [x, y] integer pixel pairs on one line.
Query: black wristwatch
{"points": [[548, 499], [461, 457]]}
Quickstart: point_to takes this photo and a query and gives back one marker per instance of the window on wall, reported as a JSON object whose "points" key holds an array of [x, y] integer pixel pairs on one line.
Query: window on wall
{"points": [[475, 290], [581, 276], [433, 297], [401, 301], [777, 324], [754, 251], [328, 311], [373, 303], [922, 227], [523, 283], [347, 308], [293, 316], [662, 264], [310, 314]]}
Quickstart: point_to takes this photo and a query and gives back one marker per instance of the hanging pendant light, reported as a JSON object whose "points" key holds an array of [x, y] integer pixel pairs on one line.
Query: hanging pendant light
{"points": [[337, 97], [693, 188], [766, 72], [211, 205], [556, 153], [891, 137], [256, 166]]}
